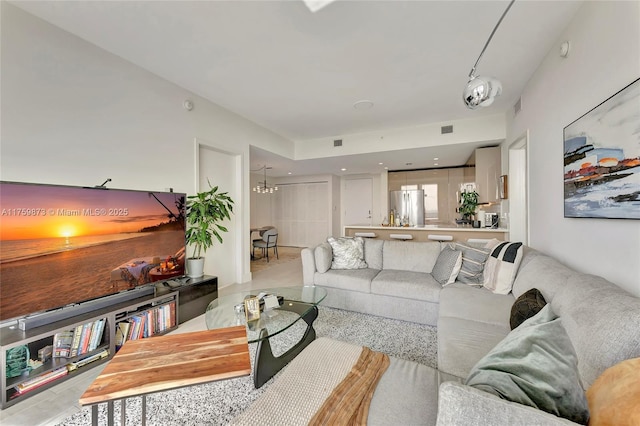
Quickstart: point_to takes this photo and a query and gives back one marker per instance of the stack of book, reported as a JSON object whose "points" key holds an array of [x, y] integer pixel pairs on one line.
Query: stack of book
{"points": [[146, 324], [83, 339], [38, 381]]}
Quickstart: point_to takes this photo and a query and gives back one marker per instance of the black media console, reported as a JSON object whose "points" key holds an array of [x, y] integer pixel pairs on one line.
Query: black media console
{"points": [[195, 294]]}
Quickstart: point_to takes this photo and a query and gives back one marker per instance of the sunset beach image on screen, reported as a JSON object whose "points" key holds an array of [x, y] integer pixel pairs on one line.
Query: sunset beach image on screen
{"points": [[61, 245]]}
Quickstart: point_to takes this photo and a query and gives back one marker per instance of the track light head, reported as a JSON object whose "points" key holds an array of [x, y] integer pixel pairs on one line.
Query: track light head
{"points": [[481, 91]]}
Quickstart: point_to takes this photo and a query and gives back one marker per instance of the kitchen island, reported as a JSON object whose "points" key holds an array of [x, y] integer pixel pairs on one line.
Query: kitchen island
{"points": [[427, 232]]}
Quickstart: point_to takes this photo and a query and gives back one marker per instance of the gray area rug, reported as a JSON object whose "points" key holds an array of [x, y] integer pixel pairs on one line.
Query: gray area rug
{"points": [[217, 403]]}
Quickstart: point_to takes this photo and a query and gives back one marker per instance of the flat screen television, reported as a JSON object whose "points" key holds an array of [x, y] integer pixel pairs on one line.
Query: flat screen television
{"points": [[63, 245]]}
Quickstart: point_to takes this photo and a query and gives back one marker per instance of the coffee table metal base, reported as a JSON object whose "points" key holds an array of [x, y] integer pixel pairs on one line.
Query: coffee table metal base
{"points": [[266, 364]]}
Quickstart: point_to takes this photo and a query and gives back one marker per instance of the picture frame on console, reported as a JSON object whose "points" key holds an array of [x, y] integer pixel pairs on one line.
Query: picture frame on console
{"points": [[602, 159]]}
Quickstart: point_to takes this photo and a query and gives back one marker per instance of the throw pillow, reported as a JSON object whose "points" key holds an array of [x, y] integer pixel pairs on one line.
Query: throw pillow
{"points": [[492, 243], [614, 398], [447, 266], [502, 266], [348, 253], [473, 260], [535, 365], [526, 306]]}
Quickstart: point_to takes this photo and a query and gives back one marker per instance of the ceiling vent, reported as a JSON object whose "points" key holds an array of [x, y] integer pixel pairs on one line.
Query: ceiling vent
{"points": [[517, 107], [337, 142], [446, 129]]}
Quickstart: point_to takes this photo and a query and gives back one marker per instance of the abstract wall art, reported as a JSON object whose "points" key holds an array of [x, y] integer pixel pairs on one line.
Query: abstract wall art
{"points": [[602, 159]]}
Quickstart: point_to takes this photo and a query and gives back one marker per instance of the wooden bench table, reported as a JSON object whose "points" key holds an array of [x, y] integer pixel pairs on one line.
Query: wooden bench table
{"points": [[167, 362]]}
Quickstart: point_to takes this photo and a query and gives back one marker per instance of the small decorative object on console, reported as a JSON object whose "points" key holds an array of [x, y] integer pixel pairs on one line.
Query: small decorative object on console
{"points": [[44, 354]]}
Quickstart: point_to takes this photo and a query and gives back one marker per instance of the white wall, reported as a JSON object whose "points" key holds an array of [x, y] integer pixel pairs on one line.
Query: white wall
{"points": [[75, 114], [489, 128], [604, 58]]}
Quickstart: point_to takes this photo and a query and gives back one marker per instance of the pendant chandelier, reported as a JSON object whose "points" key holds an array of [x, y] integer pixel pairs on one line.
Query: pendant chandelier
{"points": [[263, 187], [481, 91]]}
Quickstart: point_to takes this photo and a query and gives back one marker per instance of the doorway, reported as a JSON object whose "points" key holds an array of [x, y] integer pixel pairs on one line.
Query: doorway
{"points": [[358, 196], [519, 190]]}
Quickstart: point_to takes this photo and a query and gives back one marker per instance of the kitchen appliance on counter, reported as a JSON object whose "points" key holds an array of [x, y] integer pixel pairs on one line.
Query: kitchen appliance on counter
{"points": [[408, 206], [492, 220]]}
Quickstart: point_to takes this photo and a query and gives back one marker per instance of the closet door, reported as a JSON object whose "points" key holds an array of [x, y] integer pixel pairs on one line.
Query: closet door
{"points": [[301, 213]]}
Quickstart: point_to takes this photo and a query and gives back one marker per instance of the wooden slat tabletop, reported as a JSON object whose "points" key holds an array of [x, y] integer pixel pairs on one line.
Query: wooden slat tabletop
{"points": [[167, 362]]}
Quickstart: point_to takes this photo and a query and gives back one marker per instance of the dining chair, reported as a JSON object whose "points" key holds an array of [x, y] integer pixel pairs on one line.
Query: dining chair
{"points": [[269, 240]]}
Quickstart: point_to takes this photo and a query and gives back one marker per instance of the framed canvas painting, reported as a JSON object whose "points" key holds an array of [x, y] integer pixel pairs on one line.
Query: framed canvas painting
{"points": [[602, 159]]}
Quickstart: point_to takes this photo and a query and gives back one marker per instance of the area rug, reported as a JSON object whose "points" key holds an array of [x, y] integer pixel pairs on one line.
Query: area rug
{"points": [[219, 402]]}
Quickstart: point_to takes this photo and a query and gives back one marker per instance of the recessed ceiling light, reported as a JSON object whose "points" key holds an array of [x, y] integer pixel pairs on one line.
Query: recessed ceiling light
{"points": [[343, 169], [435, 164], [380, 164], [289, 173], [363, 104], [435, 158]]}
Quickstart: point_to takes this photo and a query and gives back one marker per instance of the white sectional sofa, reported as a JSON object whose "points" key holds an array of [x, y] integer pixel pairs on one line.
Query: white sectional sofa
{"points": [[602, 322]]}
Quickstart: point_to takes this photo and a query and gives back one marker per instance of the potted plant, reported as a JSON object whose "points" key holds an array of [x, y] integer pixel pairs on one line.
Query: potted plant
{"points": [[205, 211], [468, 205]]}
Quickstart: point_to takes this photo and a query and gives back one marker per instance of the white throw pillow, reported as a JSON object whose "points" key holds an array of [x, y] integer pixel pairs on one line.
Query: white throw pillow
{"points": [[348, 253], [502, 266]]}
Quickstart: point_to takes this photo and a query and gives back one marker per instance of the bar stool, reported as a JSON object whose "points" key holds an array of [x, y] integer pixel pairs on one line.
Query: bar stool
{"points": [[440, 237], [402, 237], [366, 234]]}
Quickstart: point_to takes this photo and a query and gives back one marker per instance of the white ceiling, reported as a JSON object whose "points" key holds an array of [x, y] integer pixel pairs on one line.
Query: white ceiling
{"points": [[299, 73]]}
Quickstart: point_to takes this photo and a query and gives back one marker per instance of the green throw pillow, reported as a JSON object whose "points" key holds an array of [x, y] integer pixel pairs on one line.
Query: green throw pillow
{"points": [[535, 365]]}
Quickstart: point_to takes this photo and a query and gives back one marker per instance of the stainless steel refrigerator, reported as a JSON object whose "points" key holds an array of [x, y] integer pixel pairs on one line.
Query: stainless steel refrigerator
{"points": [[408, 204]]}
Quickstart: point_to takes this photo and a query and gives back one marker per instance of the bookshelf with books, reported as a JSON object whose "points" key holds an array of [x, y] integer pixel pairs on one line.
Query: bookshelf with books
{"points": [[36, 359], [159, 318]]}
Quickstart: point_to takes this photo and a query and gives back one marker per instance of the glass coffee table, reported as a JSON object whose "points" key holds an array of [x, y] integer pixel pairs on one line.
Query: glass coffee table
{"points": [[299, 303]]}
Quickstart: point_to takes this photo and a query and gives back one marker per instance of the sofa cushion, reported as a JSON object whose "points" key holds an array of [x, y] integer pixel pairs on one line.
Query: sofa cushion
{"points": [[473, 261], [323, 256], [348, 279], [535, 365], [526, 306], [476, 304], [602, 320], [406, 284], [447, 266], [410, 256], [614, 398], [462, 343], [502, 266], [348, 253], [373, 252]]}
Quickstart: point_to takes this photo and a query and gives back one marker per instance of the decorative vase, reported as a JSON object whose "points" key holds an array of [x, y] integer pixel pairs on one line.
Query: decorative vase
{"points": [[195, 267]]}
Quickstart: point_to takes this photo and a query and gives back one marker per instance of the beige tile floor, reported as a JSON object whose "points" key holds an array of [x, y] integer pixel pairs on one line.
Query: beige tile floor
{"points": [[55, 404]]}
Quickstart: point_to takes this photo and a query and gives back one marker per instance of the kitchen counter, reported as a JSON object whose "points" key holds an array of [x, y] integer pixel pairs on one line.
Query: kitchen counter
{"points": [[455, 233]]}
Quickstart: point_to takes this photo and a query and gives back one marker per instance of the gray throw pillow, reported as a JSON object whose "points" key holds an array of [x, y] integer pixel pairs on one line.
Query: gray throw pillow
{"points": [[348, 253], [447, 266], [535, 365], [473, 260]]}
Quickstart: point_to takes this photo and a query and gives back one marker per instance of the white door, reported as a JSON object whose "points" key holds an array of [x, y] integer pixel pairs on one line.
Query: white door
{"points": [[358, 196]]}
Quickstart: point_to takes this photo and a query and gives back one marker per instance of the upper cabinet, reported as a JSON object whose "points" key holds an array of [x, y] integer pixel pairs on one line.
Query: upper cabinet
{"points": [[488, 169]]}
